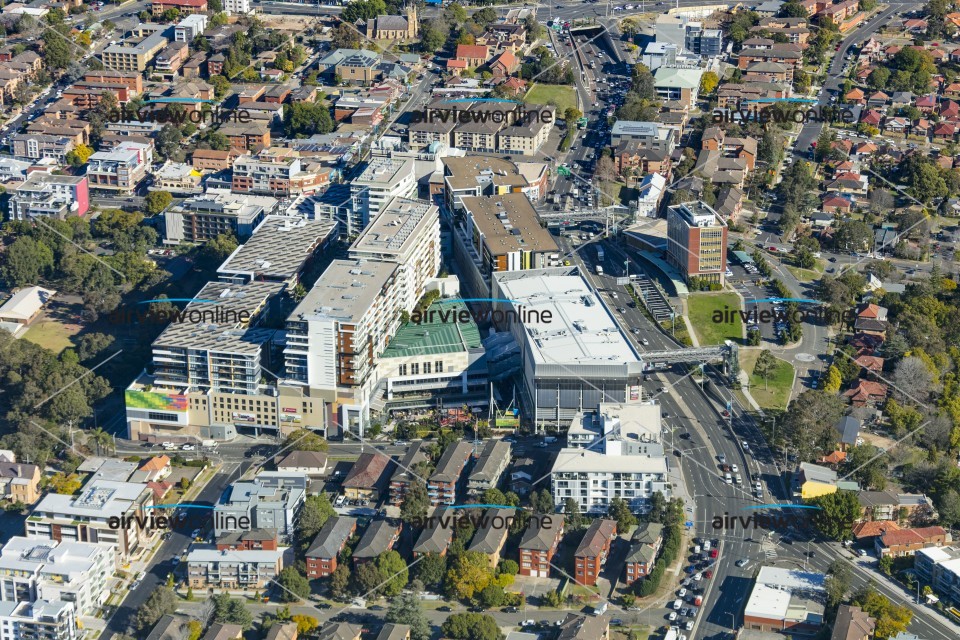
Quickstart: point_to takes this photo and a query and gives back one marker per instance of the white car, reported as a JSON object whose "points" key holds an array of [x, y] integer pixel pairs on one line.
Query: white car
{"points": [[746, 447], [698, 577], [689, 625], [672, 617], [734, 468], [682, 593], [528, 623], [187, 447]]}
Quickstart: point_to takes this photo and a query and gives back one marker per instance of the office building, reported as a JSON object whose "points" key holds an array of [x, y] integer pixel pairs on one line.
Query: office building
{"points": [[697, 241], [85, 517], [120, 169], [204, 217], [648, 135], [48, 195], [573, 354], [70, 571], [406, 233], [379, 183], [688, 35], [786, 600], [232, 7]]}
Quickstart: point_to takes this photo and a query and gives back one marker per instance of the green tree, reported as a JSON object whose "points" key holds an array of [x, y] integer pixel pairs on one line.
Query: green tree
{"points": [[25, 262], [314, 514], [471, 626], [161, 602], [765, 365], [620, 511], [158, 201], [393, 568], [415, 502], [304, 119], [340, 582], [837, 583], [838, 511], [431, 570], [294, 586], [469, 574], [368, 579], [890, 619], [407, 609], [305, 440], [227, 610], [220, 85]]}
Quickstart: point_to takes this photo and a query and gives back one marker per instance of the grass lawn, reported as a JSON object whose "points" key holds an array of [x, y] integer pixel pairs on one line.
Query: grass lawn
{"points": [[700, 308], [52, 335], [555, 94], [808, 275], [775, 394]]}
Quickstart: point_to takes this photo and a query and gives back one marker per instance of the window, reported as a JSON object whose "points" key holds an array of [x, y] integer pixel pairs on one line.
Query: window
{"points": [[438, 366], [403, 369], [415, 369], [426, 367]]}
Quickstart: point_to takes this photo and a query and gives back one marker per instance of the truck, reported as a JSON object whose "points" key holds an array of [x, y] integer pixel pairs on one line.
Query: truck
{"points": [[209, 444], [600, 254], [672, 633]]}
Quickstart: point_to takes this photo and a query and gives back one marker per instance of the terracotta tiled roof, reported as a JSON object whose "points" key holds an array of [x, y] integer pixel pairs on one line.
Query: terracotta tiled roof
{"points": [[874, 528]]}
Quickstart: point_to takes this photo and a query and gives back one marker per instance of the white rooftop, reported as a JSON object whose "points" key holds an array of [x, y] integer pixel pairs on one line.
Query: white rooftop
{"points": [[25, 303], [99, 499], [781, 594], [580, 329]]}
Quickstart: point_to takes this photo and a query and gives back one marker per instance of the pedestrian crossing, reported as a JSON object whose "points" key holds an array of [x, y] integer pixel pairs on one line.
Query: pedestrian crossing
{"points": [[770, 554]]}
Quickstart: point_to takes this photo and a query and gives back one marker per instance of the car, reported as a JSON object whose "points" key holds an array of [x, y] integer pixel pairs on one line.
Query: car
{"points": [[684, 612], [176, 560], [746, 447], [471, 609], [616, 622], [734, 468], [742, 562], [722, 458], [134, 585], [645, 342], [689, 625], [525, 623], [511, 610], [714, 553], [666, 414], [681, 593], [542, 445], [187, 447], [725, 413], [672, 617], [698, 576], [708, 574], [863, 553], [448, 609], [195, 533]]}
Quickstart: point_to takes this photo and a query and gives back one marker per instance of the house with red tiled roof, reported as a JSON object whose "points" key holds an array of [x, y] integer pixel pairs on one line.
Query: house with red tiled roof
{"points": [[367, 477], [456, 67], [855, 96], [878, 99], [915, 24], [515, 86], [504, 65], [927, 103], [833, 458], [949, 110], [865, 344], [156, 468], [836, 202], [872, 118], [897, 125], [866, 532], [952, 90], [945, 131], [870, 363], [906, 542], [953, 18], [891, 51], [921, 128], [865, 149], [873, 311], [866, 392]]}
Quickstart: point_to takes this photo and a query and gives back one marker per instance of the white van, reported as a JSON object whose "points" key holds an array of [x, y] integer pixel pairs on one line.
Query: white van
{"points": [[728, 479]]}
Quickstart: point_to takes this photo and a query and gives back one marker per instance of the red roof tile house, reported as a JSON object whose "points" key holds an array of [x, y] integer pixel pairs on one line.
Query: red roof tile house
{"points": [[927, 104], [367, 477], [945, 131], [185, 7], [473, 54], [906, 542], [872, 118], [855, 96], [593, 550], [836, 203], [866, 533], [504, 65], [866, 392], [870, 363], [539, 543]]}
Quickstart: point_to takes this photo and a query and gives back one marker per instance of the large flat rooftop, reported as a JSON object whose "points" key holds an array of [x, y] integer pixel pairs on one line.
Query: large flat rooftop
{"points": [[345, 290], [279, 247], [509, 223], [578, 329], [396, 228]]}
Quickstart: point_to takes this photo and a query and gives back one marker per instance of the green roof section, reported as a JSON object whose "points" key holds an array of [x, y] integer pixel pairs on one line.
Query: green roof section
{"points": [[441, 330]]}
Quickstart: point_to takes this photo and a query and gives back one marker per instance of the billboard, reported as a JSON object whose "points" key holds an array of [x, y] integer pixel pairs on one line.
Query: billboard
{"points": [[155, 401]]}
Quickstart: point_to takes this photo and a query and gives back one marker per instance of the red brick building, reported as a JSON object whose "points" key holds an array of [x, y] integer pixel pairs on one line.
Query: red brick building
{"points": [[592, 552], [539, 543], [326, 547]]}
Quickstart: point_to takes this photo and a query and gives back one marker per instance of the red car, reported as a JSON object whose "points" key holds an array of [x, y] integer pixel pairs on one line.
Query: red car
{"points": [[708, 574], [713, 553], [772, 249]]}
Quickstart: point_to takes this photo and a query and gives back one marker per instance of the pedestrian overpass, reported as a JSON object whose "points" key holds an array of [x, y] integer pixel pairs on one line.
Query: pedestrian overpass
{"points": [[727, 353]]}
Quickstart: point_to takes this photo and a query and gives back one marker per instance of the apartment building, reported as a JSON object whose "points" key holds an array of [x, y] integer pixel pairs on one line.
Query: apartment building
{"points": [[185, 7], [500, 233], [402, 478], [204, 217], [246, 136], [940, 568], [367, 477], [491, 535], [490, 466], [136, 54], [39, 146], [644, 547], [340, 328], [443, 484], [39, 620], [208, 566], [379, 537], [697, 241], [407, 233], [260, 504], [190, 27], [69, 571], [325, 549], [277, 172], [539, 544], [242, 7], [675, 84], [592, 552], [593, 479], [648, 135], [120, 169], [85, 517], [48, 195], [486, 176], [383, 180], [249, 540], [434, 538]]}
